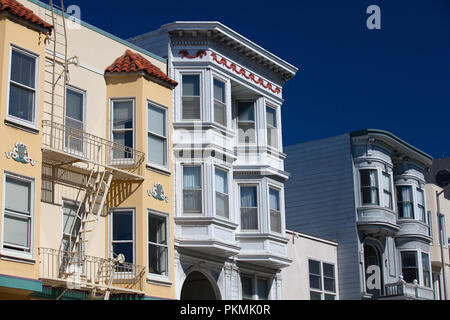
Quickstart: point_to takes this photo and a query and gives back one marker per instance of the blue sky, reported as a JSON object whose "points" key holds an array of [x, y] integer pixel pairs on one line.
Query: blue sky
{"points": [[351, 78]]}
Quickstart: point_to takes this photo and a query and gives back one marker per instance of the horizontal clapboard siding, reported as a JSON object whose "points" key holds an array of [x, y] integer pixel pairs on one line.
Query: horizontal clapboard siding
{"points": [[320, 201]]}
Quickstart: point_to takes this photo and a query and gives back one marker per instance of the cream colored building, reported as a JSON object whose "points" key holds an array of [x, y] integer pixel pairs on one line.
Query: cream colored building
{"points": [[313, 272], [97, 186]]}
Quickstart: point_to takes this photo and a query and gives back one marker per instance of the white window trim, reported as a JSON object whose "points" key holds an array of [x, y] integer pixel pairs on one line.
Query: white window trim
{"points": [[255, 279], [84, 109], [380, 196], [155, 277], [27, 256], [203, 180], [322, 292], [280, 190], [258, 186], [179, 111], [110, 231], [167, 137], [419, 262], [229, 188], [383, 174], [21, 122], [112, 160], [228, 104], [236, 121], [278, 124], [413, 201]]}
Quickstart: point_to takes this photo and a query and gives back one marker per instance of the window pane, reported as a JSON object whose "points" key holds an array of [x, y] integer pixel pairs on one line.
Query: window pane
{"points": [[275, 221], [271, 115], [315, 282], [123, 115], [125, 139], [74, 106], [191, 85], [126, 249], [328, 285], [122, 226], [73, 135], [221, 181], [263, 289], [314, 267], [247, 133], [247, 288], [222, 205], [219, 91], [21, 103], [330, 297], [246, 111], [249, 219], [23, 69], [328, 270], [368, 178], [157, 120], [69, 214], [274, 196], [157, 150], [426, 270], [192, 178], [192, 201], [191, 108], [249, 197], [220, 115], [272, 137], [157, 263], [409, 259], [17, 231], [157, 229], [315, 295], [17, 195]]}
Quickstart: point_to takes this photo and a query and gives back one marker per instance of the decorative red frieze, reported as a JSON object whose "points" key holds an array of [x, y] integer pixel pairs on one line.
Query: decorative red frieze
{"points": [[200, 54], [246, 74]]}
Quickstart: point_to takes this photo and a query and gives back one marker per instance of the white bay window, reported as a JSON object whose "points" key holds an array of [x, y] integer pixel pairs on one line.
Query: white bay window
{"points": [[192, 189], [249, 208]]}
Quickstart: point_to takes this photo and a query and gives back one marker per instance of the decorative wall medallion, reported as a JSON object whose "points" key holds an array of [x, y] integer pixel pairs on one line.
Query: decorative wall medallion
{"points": [[20, 154], [185, 54], [158, 193]]}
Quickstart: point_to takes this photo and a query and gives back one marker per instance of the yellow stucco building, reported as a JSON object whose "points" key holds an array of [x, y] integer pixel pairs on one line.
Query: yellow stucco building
{"points": [[86, 184]]}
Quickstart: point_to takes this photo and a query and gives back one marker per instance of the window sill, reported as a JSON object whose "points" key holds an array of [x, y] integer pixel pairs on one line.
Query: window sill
{"points": [[21, 126], [158, 169], [19, 258], [162, 281]]}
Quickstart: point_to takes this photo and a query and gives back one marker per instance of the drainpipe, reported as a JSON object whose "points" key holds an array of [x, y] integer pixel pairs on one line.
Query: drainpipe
{"points": [[441, 237]]}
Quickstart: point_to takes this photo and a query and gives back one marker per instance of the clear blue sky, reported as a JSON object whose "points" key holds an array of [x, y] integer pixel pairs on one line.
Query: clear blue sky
{"points": [[396, 79]]}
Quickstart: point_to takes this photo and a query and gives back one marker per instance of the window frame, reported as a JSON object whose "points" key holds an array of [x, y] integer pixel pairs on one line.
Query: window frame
{"points": [[202, 175], [73, 203], [167, 137], [201, 76], [389, 192], [442, 231], [22, 255], [22, 122], [113, 160], [280, 211], [228, 195], [225, 104], [111, 227], [421, 207], [323, 293], [258, 203], [254, 284], [377, 187], [84, 108], [400, 203], [277, 123], [153, 276], [255, 121]]}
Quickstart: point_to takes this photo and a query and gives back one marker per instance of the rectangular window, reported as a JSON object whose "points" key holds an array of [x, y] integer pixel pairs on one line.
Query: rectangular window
{"points": [[387, 191], [272, 128], [123, 128], [430, 224], [426, 270], [191, 97], [248, 288], [71, 224], [263, 289], [410, 267], [405, 202], [421, 206], [442, 230], [157, 245], [275, 212], [222, 198], [18, 214], [122, 237], [22, 86], [369, 187], [246, 122], [157, 135], [249, 208], [192, 189], [220, 103], [322, 280], [74, 121]]}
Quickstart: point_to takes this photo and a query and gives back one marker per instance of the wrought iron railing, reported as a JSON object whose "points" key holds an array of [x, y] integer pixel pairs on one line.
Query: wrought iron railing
{"points": [[84, 272], [80, 144]]}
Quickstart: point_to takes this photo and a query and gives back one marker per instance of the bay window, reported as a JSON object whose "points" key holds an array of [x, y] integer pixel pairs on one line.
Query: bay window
{"points": [[192, 189], [387, 191], [18, 214], [23, 86], [75, 100], [272, 127], [123, 128], [220, 103], [249, 208], [246, 122], [157, 245], [405, 202], [275, 211], [157, 135], [222, 198], [190, 97], [369, 187]]}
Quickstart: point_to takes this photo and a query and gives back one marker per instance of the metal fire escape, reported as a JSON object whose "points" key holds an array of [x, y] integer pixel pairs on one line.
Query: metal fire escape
{"points": [[68, 151]]}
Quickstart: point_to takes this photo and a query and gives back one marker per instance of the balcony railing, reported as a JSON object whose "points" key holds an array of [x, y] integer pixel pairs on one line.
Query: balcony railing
{"points": [[70, 142], [87, 273], [402, 289]]}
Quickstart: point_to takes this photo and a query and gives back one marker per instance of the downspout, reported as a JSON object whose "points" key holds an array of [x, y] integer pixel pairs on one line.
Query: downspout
{"points": [[441, 236]]}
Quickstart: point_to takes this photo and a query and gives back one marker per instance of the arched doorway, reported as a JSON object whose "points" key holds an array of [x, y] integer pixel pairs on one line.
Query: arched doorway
{"points": [[373, 270], [198, 287]]}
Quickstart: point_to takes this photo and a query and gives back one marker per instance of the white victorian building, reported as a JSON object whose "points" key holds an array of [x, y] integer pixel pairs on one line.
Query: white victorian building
{"points": [[230, 237]]}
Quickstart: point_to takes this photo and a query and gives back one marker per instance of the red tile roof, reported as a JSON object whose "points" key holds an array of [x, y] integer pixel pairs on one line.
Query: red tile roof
{"points": [[134, 62], [20, 11]]}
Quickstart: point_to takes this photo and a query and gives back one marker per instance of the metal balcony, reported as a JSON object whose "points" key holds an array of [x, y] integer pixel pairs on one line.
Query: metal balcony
{"points": [[65, 146], [86, 273]]}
